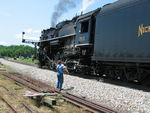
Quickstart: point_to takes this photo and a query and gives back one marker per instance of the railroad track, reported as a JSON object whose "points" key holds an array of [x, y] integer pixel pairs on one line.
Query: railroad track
{"points": [[40, 87], [11, 106]]}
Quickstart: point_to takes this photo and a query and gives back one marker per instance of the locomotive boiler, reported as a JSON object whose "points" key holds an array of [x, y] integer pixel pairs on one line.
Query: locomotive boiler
{"points": [[111, 41]]}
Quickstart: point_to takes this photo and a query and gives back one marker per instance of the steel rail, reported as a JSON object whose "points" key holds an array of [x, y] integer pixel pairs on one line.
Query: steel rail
{"points": [[36, 82], [88, 104], [4, 88], [8, 90], [9, 104], [28, 108]]}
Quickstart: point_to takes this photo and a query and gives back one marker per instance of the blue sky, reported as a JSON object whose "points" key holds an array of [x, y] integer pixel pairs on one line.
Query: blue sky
{"points": [[32, 16]]}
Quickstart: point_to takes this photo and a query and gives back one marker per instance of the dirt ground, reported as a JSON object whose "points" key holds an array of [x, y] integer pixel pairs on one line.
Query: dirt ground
{"points": [[13, 93]]}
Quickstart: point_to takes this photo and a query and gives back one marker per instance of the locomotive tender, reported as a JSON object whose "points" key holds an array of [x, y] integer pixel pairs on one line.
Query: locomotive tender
{"points": [[111, 41]]}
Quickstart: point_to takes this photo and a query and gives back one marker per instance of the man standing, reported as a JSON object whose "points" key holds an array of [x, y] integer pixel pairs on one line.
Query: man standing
{"points": [[60, 70]]}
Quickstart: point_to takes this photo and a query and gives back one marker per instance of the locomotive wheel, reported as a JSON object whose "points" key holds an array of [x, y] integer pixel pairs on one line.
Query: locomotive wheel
{"points": [[51, 66], [145, 80]]}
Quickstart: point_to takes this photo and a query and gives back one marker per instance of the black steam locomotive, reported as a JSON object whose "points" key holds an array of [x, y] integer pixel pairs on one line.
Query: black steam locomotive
{"points": [[112, 41]]}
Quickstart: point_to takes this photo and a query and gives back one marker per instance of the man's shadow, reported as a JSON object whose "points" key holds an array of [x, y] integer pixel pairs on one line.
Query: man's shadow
{"points": [[68, 89]]}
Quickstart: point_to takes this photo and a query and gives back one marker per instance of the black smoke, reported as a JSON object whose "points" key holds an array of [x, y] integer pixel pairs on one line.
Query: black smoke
{"points": [[62, 7]]}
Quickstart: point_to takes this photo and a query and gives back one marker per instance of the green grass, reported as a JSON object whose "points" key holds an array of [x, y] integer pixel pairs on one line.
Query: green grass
{"points": [[26, 61]]}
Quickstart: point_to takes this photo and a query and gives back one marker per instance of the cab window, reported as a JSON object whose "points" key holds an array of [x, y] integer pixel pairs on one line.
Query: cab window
{"points": [[84, 26]]}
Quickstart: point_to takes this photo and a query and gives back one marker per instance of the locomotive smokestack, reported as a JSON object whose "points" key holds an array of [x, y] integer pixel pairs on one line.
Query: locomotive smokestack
{"points": [[62, 7]]}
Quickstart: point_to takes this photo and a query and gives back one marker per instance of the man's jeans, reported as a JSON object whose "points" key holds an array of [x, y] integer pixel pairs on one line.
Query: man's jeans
{"points": [[60, 80]]}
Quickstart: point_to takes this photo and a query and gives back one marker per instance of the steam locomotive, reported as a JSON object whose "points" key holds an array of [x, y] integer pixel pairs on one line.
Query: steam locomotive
{"points": [[111, 41]]}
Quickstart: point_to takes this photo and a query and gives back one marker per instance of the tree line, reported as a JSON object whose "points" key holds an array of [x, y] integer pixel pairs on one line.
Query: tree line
{"points": [[17, 51]]}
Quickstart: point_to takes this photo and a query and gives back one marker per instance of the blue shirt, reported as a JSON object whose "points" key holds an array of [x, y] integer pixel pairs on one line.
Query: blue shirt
{"points": [[60, 69]]}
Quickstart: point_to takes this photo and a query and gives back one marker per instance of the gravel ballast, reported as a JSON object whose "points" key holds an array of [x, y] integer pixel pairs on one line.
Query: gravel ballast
{"points": [[120, 98]]}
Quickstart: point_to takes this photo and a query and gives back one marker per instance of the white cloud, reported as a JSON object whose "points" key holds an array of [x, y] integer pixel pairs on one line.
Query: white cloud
{"points": [[30, 30], [86, 4], [3, 43], [19, 36]]}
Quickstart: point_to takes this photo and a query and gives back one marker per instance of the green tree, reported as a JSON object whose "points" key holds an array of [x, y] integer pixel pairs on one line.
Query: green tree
{"points": [[16, 51]]}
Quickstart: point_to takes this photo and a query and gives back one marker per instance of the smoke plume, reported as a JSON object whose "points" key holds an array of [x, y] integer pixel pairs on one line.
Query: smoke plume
{"points": [[62, 7]]}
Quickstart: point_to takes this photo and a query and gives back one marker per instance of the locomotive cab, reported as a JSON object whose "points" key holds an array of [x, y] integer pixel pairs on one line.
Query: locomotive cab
{"points": [[83, 27], [85, 33]]}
